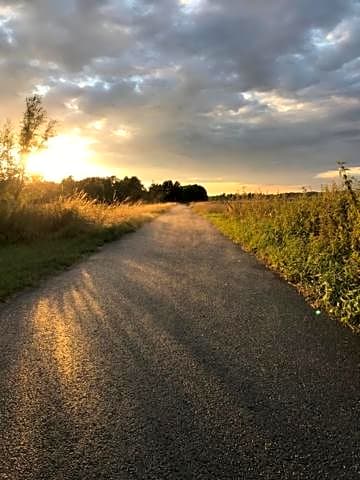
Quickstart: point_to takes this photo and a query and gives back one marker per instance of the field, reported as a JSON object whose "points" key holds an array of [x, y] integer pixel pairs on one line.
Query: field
{"points": [[39, 239], [312, 240]]}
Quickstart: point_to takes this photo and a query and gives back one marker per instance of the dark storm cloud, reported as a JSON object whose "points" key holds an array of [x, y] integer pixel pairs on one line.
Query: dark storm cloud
{"points": [[220, 82]]}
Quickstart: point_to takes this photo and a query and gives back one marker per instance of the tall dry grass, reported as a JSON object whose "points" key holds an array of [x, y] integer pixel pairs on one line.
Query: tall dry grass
{"points": [[39, 239], [66, 217]]}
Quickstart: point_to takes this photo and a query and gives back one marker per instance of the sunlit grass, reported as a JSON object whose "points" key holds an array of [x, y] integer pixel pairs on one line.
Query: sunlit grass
{"points": [[68, 217], [39, 239], [312, 240]]}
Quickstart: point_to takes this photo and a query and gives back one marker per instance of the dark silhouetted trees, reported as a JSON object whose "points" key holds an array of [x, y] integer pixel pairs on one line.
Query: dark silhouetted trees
{"points": [[170, 191], [108, 189], [192, 193], [130, 189]]}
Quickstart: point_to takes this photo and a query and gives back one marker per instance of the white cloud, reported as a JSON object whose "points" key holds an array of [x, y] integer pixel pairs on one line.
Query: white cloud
{"points": [[332, 174]]}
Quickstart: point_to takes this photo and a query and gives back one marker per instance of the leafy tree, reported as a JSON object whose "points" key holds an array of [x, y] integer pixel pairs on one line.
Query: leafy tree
{"points": [[35, 131], [192, 193], [35, 128], [108, 189], [129, 189], [156, 193], [68, 186], [9, 171], [170, 191]]}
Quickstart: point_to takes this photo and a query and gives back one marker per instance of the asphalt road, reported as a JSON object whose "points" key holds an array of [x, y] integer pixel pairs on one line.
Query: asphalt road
{"points": [[171, 354]]}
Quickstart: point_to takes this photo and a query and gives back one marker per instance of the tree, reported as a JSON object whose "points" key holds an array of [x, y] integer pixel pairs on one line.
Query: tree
{"points": [[8, 163], [170, 191], [68, 186], [129, 189], [156, 193], [192, 193], [35, 131]]}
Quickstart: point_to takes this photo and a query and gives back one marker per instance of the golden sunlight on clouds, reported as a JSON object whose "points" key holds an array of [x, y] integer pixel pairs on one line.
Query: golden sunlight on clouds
{"points": [[122, 133], [67, 154], [280, 103], [98, 124]]}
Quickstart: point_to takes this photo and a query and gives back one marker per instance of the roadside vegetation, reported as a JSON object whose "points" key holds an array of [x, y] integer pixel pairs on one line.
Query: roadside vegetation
{"points": [[43, 226], [313, 240], [40, 239]]}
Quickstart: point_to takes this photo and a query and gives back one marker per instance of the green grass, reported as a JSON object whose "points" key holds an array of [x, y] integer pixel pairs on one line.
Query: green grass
{"points": [[36, 245], [313, 241]]}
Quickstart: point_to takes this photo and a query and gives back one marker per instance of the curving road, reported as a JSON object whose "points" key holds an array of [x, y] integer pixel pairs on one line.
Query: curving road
{"points": [[171, 354]]}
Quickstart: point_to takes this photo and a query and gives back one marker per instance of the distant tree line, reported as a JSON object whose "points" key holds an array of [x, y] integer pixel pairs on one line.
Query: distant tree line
{"points": [[130, 189], [249, 196], [170, 191]]}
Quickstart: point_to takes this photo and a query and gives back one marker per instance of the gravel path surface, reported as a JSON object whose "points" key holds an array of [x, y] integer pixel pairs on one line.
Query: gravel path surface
{"points": [[171, 354]]}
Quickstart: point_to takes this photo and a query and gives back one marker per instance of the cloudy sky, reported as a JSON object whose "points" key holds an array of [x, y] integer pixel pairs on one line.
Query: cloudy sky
{"points": [[229, 93]]}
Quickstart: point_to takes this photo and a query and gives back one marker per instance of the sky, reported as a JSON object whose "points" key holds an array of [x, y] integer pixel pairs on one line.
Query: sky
{"points": [[238, 95]]}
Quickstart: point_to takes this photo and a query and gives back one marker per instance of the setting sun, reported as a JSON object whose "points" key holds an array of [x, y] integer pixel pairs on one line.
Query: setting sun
{"points": [[66, 154]]}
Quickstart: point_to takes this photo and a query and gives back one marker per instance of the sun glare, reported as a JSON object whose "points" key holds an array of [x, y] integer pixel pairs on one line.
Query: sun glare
{"points": [[66, 155]]}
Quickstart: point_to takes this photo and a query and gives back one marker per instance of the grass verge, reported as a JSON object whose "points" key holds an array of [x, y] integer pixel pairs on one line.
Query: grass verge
{"points": [[40, 251], [312, 241]]}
